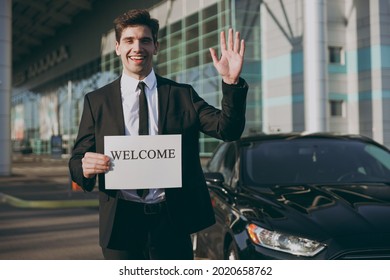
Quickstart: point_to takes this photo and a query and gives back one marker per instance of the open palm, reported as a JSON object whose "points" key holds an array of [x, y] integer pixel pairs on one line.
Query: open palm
{"points": [[229, 65]]}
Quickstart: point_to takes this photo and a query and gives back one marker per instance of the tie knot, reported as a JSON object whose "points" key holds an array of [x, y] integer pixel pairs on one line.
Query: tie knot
{"points": [[141, 86]]}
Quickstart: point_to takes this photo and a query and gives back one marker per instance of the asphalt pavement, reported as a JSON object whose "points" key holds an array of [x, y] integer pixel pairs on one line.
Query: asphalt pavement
{"points": [[41, 218]]}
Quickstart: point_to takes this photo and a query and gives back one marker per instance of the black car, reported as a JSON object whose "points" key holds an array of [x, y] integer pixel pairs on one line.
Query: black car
{"points": [[295, 196]]}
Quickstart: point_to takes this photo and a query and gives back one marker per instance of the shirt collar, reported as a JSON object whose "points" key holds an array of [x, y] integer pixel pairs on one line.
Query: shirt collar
{"points": [[130, 83]]}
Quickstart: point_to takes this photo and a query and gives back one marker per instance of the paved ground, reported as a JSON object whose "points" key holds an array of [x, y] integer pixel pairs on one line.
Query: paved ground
{"points": [[41, 218]]}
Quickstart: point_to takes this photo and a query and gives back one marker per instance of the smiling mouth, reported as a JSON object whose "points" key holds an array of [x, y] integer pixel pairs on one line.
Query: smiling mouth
{"points": [[136, 58]]}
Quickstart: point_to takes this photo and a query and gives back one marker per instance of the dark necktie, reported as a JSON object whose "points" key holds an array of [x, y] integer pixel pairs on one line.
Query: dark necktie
{"points": [[143, 111], [143, 124]]}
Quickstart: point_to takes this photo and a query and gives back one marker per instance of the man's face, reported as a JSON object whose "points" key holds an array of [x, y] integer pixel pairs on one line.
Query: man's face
{"points": [[136, 48]]}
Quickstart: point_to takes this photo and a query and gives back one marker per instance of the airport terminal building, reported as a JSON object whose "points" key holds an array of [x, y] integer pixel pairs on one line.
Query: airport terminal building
{"points": [[311, 65]]}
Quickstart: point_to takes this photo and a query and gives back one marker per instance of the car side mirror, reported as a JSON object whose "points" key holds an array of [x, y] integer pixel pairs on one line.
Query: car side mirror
{"points": [[214, 178]]}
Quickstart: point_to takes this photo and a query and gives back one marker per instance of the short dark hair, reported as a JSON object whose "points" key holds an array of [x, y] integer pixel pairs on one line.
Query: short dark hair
{"points": [[133, 18]]}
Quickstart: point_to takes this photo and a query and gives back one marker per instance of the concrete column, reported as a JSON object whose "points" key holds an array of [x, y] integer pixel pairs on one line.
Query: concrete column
{"points": [[5, 85], [315, 66], [377, 24]]}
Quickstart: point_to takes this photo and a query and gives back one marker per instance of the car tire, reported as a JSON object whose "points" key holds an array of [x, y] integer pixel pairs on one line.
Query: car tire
{"points": [[232, 252]]}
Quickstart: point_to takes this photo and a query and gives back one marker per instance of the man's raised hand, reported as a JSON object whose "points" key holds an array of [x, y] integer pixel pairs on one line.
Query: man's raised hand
{"points": [[229, 65]]}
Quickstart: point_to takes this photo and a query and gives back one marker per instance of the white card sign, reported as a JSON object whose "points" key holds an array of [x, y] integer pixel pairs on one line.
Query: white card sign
{"points": [[143, 162]]}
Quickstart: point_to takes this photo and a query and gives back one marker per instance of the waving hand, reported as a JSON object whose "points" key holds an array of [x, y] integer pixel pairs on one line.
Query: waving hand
{"points": [[229, 65]]}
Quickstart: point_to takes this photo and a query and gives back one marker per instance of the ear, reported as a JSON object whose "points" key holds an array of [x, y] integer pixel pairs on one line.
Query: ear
{"points": [[117, 50], [156, 48]]}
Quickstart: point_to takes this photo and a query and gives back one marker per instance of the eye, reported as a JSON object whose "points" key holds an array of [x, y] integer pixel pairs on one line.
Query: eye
{"points": [[146, 40], [128, 41]]}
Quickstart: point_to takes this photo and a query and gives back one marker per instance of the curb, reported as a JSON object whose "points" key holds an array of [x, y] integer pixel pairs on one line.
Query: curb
{"points": [[47, 204]]}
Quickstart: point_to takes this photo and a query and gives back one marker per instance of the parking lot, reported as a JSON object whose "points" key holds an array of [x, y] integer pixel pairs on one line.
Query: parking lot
{"points": [[41, 218]]}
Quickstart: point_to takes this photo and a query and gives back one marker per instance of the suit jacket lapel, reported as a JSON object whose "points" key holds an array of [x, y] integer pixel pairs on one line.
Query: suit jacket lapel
{"points": [[163, 89], [116, 106]]}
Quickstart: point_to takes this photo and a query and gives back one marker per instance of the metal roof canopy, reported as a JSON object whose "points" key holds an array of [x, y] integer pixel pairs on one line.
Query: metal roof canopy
{"points": [[33, 21]]}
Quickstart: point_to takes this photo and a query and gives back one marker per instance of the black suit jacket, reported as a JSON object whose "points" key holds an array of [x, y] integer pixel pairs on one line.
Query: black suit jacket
{"points": [[181, 111]]}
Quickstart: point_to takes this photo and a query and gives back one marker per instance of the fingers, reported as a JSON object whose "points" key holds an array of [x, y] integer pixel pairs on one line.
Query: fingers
{"points": [[234, 42], [214, 56], [223, 41], [242, 48], [94, 163], [230, 39]]}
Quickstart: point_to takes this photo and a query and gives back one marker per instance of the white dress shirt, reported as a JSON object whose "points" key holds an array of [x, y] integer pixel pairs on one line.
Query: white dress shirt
{"points": [[130, 93]]}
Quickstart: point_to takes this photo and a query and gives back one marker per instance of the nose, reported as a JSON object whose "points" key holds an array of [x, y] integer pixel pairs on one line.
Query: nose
{"points": [[136, 45]]}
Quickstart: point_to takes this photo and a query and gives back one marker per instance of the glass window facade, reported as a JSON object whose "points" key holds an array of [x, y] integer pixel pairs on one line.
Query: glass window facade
{"points": [[54, 108], [183, 56], [274, 42]]}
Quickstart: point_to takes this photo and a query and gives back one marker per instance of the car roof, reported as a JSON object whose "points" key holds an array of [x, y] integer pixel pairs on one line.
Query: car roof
{"points": [[318, 135]]}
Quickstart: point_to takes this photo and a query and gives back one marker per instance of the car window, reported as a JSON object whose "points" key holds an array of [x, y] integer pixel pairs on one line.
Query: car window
{"points": [[228, 163], [379, 154], [313, 161], [216, 160]]}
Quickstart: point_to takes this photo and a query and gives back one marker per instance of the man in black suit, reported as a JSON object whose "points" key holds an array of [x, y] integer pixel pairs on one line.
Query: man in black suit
{"points": [[156, 224]]}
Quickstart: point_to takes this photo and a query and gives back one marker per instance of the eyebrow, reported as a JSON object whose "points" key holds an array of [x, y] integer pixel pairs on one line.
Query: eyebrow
{"points": [[142, 38]]}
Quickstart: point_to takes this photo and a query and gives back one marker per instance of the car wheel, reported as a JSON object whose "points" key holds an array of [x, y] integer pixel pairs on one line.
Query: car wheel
{"points": [[232, 253]]}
